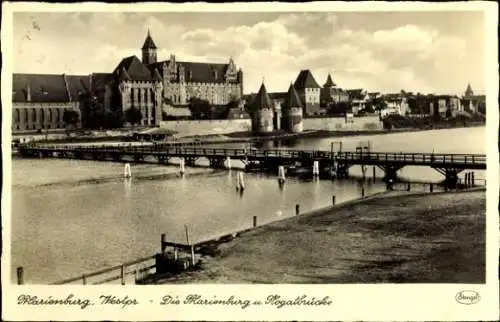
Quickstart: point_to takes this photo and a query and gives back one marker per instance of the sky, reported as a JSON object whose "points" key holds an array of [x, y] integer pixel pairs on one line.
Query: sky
{"points": [[428, 52]]}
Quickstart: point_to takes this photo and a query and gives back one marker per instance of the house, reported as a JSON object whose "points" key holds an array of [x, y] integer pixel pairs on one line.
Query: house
{"points": [[473, 103], [331, 93], [395, 104], [358, 99], [309, 92]]}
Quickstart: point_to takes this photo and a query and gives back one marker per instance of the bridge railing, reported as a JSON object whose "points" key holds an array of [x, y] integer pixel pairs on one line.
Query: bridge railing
{"points": [[192, 151]]}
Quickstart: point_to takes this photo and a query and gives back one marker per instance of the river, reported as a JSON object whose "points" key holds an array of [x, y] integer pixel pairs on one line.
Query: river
{"points": [[71, 216]]}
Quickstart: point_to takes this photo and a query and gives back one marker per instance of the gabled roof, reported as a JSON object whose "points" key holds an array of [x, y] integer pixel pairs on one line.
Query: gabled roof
{"points": [[123, 75], [42, 88], [261, 100], [149, 43], [292, 98], [135, 69], [329, 82], [49, 88], [305, 80]]}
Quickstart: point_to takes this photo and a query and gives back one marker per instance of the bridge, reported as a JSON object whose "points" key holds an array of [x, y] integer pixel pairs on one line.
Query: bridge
{"points": [[449, 165]]}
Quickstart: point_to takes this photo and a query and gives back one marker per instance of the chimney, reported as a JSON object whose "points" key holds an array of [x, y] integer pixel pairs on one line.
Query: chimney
{"points": [[28, 93]]}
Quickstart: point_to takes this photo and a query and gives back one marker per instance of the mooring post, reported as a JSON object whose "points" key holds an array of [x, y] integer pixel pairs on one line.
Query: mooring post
{"points": [[297, 209], [84, 279], [122, 274], [192, 255], [254, 221], [20, 275], [333, 200], [163, 240], [187, 234]]}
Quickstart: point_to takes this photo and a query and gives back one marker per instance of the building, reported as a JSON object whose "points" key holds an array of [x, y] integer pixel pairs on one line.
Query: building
{"points": [[358, 99], [309, 92], [395, 104], [217, 83], [262, 112], [330, 93], [473, 103], [140, 84], [444, 106], [276, 111], [293, 112], [39, 101]]}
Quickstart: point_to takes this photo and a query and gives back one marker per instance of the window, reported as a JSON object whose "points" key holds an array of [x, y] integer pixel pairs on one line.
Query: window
{"points": [[16, 116], [42, 116], [33, 115], [49, 115], [215, 74], [26, 119]]}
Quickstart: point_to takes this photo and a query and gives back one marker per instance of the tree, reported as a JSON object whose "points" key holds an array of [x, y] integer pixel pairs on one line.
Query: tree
{"points": [[71, 118], [200, 109], [133, 116]]}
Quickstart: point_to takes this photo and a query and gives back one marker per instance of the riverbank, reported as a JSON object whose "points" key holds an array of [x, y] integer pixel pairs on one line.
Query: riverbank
{"points": [[402, 238]]}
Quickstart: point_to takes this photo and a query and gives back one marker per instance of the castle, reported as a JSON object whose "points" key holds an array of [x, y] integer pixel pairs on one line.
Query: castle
{"points": [[147, 85]]}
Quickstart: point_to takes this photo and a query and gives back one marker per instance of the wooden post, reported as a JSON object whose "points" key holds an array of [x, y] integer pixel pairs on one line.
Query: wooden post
{"points": [[192, 255], [187, 234], [20, 275], [373, 169], [473, 181], [163, 240], [84, 279], [297, 209], [254, 221], [333, 200], [122, 274]]}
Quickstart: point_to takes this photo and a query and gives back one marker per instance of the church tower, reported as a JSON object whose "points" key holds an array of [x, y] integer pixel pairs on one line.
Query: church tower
{"points": [[149, 50]]}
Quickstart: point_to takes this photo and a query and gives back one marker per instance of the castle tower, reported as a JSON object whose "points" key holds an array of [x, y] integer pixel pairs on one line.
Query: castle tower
{"points": [[262, 112], [149, 50], [329, 82], [293, 111]]}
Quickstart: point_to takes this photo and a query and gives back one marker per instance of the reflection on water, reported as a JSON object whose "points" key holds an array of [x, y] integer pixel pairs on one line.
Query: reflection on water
{"points": [[72, 216]]}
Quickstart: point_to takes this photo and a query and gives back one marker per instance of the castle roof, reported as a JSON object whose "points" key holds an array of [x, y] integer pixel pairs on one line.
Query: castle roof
{"points": [[156, 75], [124, 76], [468, 91], [197, 72], [45, 88], [261, 100], [305, 80], [292, 98], [329, 82], [149, 43], [135, 69]]}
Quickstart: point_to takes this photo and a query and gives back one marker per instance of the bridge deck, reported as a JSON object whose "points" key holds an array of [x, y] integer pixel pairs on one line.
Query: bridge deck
{"points": [[436, 160]]}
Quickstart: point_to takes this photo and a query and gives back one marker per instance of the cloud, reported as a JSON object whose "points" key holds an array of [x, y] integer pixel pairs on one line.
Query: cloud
{"points": [[415, 57]]}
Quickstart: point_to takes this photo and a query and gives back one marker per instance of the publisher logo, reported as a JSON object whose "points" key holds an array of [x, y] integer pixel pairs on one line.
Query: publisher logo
{"points": [[467, 297]]}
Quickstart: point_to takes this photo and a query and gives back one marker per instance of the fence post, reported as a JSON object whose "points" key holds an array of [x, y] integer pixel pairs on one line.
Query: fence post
{"points": [[163, 240], [122, 274], [333, 200], [254, 221], [20, 275], [297, 209]]}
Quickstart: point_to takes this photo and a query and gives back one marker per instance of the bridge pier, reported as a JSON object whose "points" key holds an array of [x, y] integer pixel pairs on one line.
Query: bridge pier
{"points": [[342, 171], [450, 176], [391, 172], [190, 162], [162, 159], [217, 163]]}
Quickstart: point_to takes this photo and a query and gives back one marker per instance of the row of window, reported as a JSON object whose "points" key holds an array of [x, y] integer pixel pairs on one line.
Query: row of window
{"points": [[38, 115]]}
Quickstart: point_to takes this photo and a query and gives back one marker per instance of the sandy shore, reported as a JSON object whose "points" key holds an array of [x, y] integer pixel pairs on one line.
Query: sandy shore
{"points": [[404, 238]]}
